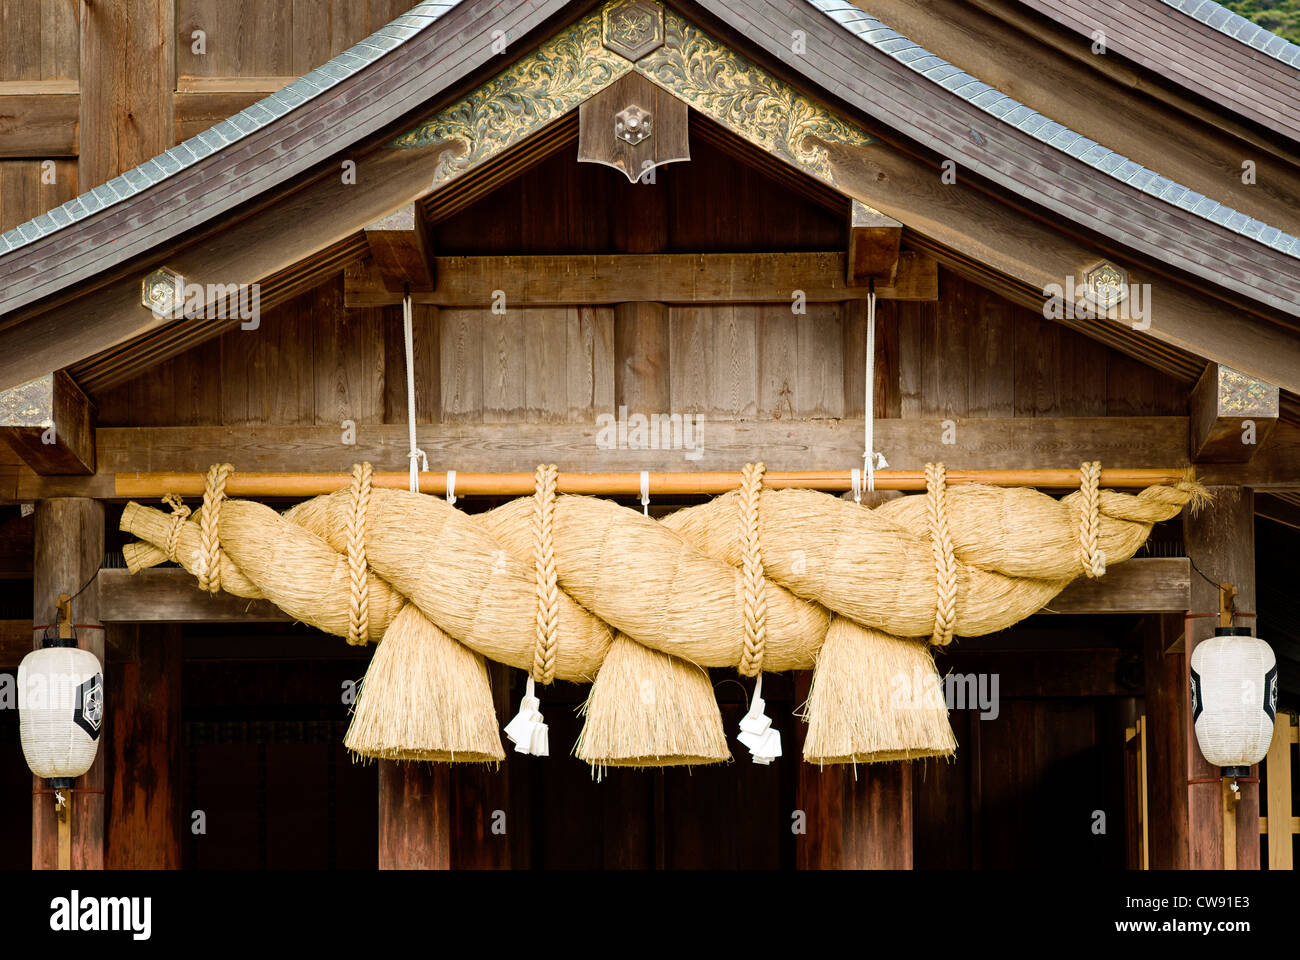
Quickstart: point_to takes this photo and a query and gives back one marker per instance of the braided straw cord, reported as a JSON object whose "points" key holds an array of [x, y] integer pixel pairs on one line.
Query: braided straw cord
{"points": [[180, 513], [1090, 554], [755, 583], [359, 594], [945, 561], [548, 591], [214, 491]]}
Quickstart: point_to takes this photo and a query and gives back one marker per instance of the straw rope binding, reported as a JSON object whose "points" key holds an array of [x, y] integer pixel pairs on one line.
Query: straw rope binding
{"points": [[583, 589]]}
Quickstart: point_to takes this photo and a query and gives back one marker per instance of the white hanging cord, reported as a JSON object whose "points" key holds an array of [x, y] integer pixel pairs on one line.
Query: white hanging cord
{"points": [[419, 460], [871, 459], [756, 730], [645, 492], [451, 487], [856, 475]]}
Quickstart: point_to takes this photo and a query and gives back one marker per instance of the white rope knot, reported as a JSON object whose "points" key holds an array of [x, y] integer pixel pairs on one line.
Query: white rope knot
{"points": [[645, 492], [417, 456], [527, 731], [451, 487]]}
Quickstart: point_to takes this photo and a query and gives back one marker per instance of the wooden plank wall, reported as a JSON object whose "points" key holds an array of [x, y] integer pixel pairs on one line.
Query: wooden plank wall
{"points": [[314, 361], [99, 88]]}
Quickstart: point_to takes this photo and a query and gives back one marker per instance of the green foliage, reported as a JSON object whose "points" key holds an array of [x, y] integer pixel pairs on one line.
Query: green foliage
{"points": [[1280, 16]]}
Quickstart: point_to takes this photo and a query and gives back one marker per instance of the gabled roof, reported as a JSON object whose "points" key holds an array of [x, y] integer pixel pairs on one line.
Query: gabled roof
{"points": [[1199, 46], [912, 96]]}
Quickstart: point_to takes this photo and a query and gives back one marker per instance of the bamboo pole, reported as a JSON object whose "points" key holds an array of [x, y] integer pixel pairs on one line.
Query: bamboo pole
{"points": [[618, 484]]}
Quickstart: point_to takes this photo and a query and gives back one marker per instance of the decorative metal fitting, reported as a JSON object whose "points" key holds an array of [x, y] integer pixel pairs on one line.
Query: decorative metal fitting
{"points": [[632, 124], [1107, 284], [633, 28], [163, 292]]}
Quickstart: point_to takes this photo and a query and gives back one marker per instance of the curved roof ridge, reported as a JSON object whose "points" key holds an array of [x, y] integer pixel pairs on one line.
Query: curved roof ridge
{"points": [[1012, 112], [231, 130], [1218, 17]]}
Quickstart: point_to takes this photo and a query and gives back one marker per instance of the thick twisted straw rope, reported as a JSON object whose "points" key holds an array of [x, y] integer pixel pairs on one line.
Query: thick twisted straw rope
{"points": [[359, 597], [755, 584], [676, 584], [548, 590]]}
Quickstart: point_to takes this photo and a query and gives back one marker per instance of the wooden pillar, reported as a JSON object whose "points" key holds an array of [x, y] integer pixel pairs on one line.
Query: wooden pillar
{"points": [[1186, 797], [143, 817], [69, 549], [854, 818], [414, 816]]}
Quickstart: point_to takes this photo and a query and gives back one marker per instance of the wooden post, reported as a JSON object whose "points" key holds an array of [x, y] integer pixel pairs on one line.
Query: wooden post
{"points": [[144, 819], [1220, 541], [69, 550], [414, 816], [855, 818], [641, 329]]}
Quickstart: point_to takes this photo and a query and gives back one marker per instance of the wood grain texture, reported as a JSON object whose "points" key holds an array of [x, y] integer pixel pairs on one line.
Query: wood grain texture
{"points": [[64, 439], [126, 69], [39, 124], [414, 816], [144, 818]]}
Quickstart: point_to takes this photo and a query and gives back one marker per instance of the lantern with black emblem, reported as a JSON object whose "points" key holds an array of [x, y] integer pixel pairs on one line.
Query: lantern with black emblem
{"points": [[1234, 699], [60, 709]]}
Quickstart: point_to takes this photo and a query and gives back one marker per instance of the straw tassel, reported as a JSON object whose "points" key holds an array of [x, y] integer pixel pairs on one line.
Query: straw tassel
{"points": [[528, 731]]}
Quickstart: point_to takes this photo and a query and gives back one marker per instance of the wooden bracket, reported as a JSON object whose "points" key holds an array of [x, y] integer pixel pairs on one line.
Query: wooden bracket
{"points": [[1230, 415], [874, 243], [401, 246], [1227, 604], [50, 424]]}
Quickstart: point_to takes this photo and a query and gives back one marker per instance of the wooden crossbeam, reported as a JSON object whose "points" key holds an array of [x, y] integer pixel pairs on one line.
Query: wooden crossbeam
{"points": [[1231, 415], [542, 281], [1018, 443], [169, 595], [49, 423]]}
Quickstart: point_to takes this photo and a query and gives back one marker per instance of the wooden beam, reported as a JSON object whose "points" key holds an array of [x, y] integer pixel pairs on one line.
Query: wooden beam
{"points": [[1019, 443], [1140, 585], [1220, 540], [1280, 855], [1231, 415], [39, 124], [540, 281], [874, 241], [401, 248], [50, 423], [169, 595], [69, 549]]}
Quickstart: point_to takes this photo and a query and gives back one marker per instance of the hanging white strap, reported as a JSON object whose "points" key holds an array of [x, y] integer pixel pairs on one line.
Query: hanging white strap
{"points": [[527, 731], [871, 460], [856, 475], [451, 487], [756, 730], [416, 456], [645, 492]]}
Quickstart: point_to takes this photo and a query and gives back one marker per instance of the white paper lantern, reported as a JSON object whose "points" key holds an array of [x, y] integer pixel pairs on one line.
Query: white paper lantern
{"points": [[1234, 699], [60, 711]]}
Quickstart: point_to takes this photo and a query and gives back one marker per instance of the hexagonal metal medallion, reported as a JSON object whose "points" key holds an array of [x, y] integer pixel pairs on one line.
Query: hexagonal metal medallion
{"points": [[1107, 284], [163, 292], [633, 28], [632, 124]]}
